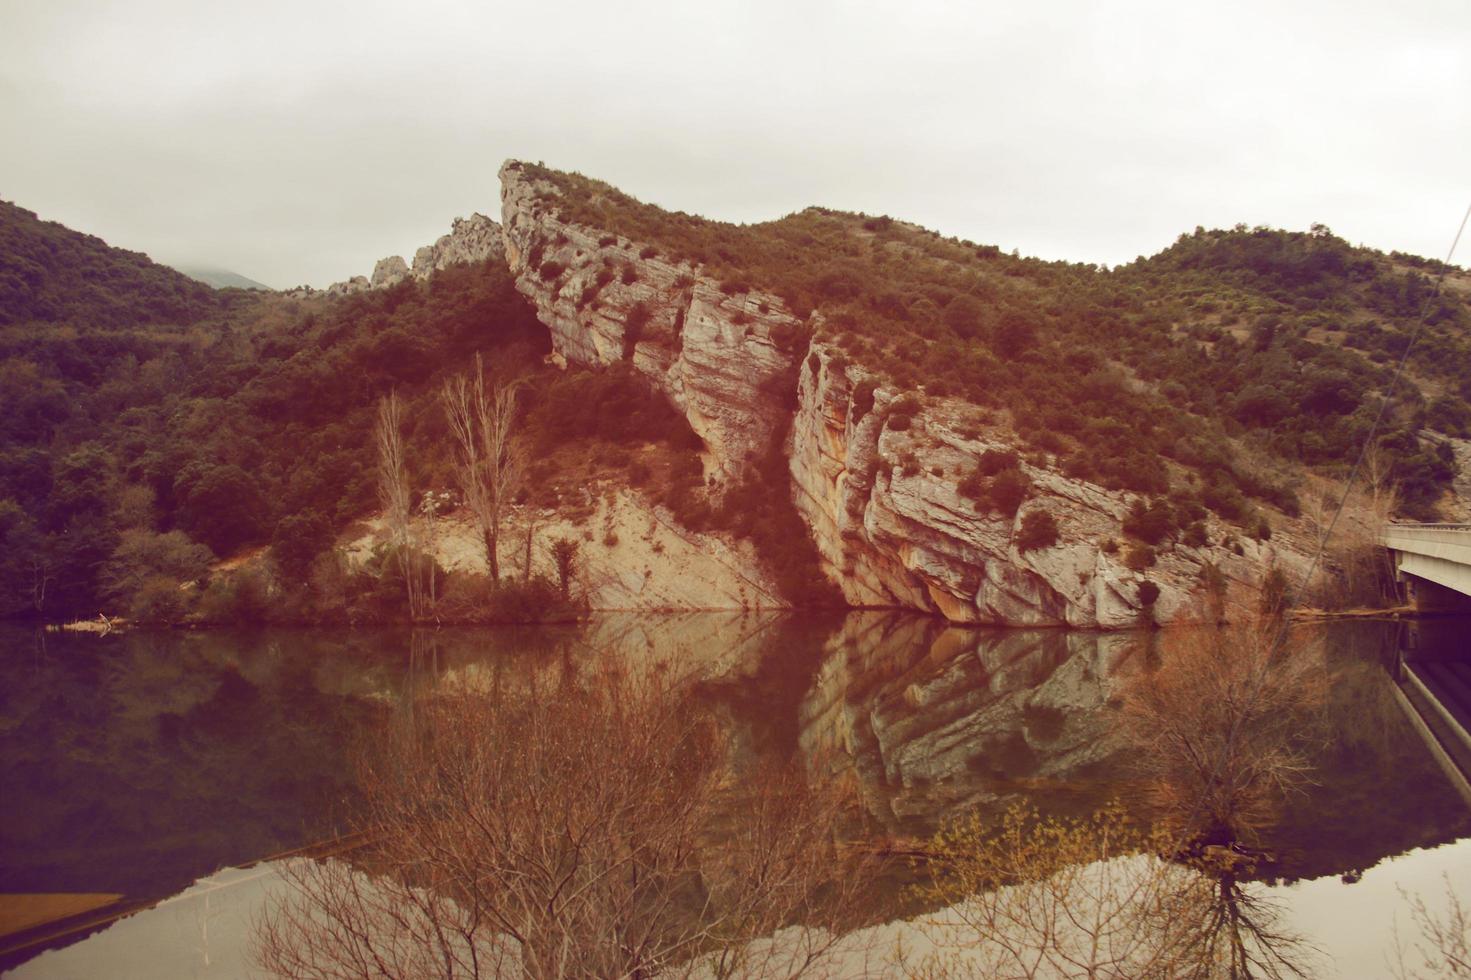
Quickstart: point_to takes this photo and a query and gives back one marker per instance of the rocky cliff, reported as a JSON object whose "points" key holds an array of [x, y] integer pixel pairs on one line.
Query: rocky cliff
{"points": [[888, 515], [883, 502], [724, 358], [472, 239]]}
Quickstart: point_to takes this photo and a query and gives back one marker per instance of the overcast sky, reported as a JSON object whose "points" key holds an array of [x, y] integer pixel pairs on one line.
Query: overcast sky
{"points": [[298, 142]]}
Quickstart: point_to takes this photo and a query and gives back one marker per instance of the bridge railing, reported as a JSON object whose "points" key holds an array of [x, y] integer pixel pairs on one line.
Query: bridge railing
{"points": [[1452, 541]]}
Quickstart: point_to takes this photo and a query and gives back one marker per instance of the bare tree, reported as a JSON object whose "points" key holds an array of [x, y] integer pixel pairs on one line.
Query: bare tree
{"points": [[394, 495], [1093, 897], [490, 462], [1444, 947], [569, 827], [1223, 725]]}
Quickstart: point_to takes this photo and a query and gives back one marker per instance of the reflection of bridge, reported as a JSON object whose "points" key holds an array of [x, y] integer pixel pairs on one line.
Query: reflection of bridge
{"points": [[1434, 563]]}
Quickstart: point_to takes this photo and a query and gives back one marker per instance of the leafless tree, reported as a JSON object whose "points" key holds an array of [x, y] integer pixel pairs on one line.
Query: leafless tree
{"points": [[570, 826], [1098, 897], [394, 495], [1223, 725], [489, 460], [1443, 951]]}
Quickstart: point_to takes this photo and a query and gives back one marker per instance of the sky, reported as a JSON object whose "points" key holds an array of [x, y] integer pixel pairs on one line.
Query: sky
{"points": [[298, 142]]}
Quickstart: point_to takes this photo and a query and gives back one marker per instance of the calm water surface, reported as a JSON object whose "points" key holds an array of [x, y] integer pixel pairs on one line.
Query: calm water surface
{"points": [[141, 763]]}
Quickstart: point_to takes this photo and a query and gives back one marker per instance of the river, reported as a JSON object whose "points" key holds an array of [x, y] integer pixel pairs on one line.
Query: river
{"points": [[141, 763]]}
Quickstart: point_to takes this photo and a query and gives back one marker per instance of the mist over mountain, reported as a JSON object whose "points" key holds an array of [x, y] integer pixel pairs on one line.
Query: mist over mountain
{"points": [[219, 278]]}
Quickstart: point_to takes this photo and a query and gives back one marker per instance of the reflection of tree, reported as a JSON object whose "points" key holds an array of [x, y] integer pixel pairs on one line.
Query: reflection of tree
{"points": [[1094, 897], [1443, 949], [1223, 728], [565, 823]]}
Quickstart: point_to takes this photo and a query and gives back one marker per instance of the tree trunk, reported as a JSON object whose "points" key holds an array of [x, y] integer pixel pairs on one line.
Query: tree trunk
{"points": [[491, 558]]}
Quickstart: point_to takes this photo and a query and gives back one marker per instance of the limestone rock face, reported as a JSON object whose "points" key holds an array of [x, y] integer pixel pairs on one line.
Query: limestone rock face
{"points": [[725, 360], [357, 284], [897, 535], [631, 556], [472, 239], [389, 271], [1458, 506], [882, 503]]}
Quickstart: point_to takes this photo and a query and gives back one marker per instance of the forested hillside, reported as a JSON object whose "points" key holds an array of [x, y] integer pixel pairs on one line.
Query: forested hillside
{"points": [[1225, 353], [150, 425]]}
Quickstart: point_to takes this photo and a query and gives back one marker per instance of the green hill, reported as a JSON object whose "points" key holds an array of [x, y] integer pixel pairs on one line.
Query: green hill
{"points": [[1225, 352]]}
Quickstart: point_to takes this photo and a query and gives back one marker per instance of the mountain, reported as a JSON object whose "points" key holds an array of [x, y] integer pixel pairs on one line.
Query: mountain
{"points": [[50, 273], [996, 439], [828, 407], [220, 278]]}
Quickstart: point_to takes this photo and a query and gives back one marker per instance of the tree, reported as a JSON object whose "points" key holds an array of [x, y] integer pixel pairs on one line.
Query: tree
{"points": [[222, 507], [489, 459], [1038, 530], [147, 569], [568, 826], [564, 554], [1444, 949], [393, 494], [298, 540]]}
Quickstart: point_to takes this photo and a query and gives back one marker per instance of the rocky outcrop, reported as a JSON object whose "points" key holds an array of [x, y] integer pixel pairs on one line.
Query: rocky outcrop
{"points": [[389, 272], [893, 528], [630, 556], [472, 239], [1458, 503], [724, 357], [883, 502]]}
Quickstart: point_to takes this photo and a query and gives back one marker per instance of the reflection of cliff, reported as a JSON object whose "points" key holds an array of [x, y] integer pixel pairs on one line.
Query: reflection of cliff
{"points": [[930, 718]]}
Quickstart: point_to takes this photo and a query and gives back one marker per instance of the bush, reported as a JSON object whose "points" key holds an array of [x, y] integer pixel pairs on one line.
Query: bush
{"points": [[863, 398], [550, 270], [1151, 524], [1139, 557], [1038, 530], [1148, 593]]}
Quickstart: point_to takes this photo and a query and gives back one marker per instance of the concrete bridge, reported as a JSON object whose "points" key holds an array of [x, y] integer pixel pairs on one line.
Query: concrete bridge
{"points": [[1433, 672], [1434, 563]]}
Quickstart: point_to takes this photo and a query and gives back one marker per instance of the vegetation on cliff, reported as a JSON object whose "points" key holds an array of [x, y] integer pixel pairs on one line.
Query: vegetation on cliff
{"points": [[141, 438], [1197, 371]]}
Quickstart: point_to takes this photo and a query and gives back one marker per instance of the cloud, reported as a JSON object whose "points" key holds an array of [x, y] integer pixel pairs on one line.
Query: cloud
{"points": [[302, 141]]}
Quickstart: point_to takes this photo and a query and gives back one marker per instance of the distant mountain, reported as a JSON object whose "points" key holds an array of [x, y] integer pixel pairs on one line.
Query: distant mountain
{"points": [[220, 278], [49, 273]]}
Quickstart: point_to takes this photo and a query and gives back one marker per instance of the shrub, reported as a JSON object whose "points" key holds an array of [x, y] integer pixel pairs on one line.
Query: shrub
{"points": [[1148, 593], [630, 275], [1139, 557], [1151, 524], [633, 326], [648, 252], [551, 269], [1038, 530], [863, 398]]}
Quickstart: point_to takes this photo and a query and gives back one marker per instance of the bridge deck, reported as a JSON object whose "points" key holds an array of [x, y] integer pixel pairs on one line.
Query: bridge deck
{"points": [[1439, 553]]}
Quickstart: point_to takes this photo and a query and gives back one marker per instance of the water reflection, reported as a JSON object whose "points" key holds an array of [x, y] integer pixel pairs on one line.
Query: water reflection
{"points": [[138, 763]]}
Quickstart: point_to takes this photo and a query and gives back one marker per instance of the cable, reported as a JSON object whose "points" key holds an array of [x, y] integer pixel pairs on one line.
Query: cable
{"points": [[1384, 403]]}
